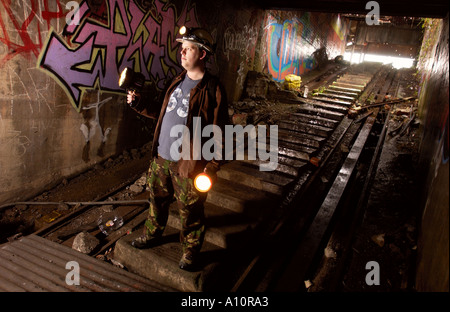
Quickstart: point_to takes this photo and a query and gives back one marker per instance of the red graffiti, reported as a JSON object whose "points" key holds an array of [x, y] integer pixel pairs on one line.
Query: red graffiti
{"points": [[24, 26]]}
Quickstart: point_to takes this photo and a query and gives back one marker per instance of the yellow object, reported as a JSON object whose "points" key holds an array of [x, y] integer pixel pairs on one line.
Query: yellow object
{"points": [[52, 216], [202, 182], [292, 82], [110, 223]]}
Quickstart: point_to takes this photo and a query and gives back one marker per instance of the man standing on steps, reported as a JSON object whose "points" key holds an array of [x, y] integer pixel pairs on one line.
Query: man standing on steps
{"points": [[194, 93]]}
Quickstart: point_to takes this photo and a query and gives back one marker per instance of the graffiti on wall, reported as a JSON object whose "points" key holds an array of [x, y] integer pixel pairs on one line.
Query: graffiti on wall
{"points": [[95, 51], [283, 48], [243, 42], [19, 22], [291, 43]]}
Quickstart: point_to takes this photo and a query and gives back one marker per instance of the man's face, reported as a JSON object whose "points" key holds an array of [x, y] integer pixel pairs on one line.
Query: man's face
{"points": [[190, 55]]}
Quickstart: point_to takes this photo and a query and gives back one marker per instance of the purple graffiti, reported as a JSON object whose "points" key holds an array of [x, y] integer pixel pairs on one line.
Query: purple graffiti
{"points": [[97, 52]]}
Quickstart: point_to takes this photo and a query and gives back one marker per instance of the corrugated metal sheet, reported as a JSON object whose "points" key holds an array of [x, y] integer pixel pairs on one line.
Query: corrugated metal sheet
{"points": [[36, 264]]}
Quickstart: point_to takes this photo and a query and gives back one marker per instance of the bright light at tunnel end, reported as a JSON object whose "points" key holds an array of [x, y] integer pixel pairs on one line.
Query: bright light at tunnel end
{"points": [[397, 62]]}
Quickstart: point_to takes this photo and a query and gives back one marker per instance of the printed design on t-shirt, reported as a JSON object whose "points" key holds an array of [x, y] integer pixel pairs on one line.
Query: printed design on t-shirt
{"points": [[175, 97], [183, 110], [173, 100]]}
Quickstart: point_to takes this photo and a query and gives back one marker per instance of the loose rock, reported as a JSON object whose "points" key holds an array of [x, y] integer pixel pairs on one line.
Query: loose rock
{"points": [[141, 181], [136, 189], [330, 253], [378, 239], [85, 243]]}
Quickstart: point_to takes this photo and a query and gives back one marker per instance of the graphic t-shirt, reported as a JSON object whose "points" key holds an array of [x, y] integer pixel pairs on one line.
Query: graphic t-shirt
{"points": [[176, 114]]}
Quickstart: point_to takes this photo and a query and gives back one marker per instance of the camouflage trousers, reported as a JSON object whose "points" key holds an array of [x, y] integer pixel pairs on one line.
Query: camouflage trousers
{"points": [[166, 185]]}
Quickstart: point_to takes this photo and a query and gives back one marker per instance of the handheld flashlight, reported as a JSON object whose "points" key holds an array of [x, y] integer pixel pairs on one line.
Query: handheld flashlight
{"points": [[203, 182], [130, 80]]}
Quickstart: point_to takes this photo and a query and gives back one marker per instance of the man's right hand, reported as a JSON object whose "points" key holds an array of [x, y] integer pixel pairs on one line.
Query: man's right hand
{"points": [[131, 96]]}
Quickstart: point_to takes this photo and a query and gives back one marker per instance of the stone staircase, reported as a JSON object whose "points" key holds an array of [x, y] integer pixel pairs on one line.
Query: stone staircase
{"points": [[244, 198]]}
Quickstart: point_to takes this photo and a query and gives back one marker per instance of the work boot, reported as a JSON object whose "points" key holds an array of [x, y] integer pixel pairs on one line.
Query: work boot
{"points": [[143, 241], [187, 261]]}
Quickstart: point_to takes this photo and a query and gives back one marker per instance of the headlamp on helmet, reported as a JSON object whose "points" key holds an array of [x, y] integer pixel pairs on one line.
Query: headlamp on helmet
{"points": [[197, 35], [183, 30]]}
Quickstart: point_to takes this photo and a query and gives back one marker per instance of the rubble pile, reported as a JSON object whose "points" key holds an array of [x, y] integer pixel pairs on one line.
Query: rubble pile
{"points": [[264, 101], [403, 119]]}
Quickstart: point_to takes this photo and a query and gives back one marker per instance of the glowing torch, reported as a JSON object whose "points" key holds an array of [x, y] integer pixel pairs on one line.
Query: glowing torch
{"points": [[203, 182], [130, 80]]}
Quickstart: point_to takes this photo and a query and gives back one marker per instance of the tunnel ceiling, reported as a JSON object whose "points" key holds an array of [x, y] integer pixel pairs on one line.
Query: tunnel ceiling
{"points": [[424, 8]]}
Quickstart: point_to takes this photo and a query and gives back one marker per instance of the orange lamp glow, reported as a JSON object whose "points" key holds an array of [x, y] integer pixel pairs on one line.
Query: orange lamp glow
{"points": [[202, 182]]}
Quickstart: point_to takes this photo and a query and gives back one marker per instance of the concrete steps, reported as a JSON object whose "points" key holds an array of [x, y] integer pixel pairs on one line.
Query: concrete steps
{"points": [[306, 128], [329, 107], [334, 92], [286, 165], [317, 120], [336, 96], [240, 198], [251, 176], [305, 139], [296, 151], [314, 111], [342, 93], [160, 262], [347, 83], [225, 228], [233, 212], [333, 100], [243, 199]]}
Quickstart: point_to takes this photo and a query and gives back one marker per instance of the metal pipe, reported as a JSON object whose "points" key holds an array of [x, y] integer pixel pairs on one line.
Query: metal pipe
{"points": [[89, 203]]}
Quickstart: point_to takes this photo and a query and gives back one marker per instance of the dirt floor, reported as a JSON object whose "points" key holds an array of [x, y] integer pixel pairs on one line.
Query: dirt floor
{"points": [[387, 230], [113, 175], [388, 233]]}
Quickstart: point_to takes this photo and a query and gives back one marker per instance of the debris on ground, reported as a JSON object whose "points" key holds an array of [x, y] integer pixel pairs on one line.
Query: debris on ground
{"points": [[264, 102], [378, 239], [85, 242], [26, 219], [330, 253]]}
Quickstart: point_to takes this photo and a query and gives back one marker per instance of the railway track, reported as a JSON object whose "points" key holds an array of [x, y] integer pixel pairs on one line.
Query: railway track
{"points": [[259, 224]]}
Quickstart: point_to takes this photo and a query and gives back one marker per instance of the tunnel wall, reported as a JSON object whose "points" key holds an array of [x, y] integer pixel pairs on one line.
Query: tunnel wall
{"points": [[433, 243], [61, 110], [392, 40], [297, 42]]}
